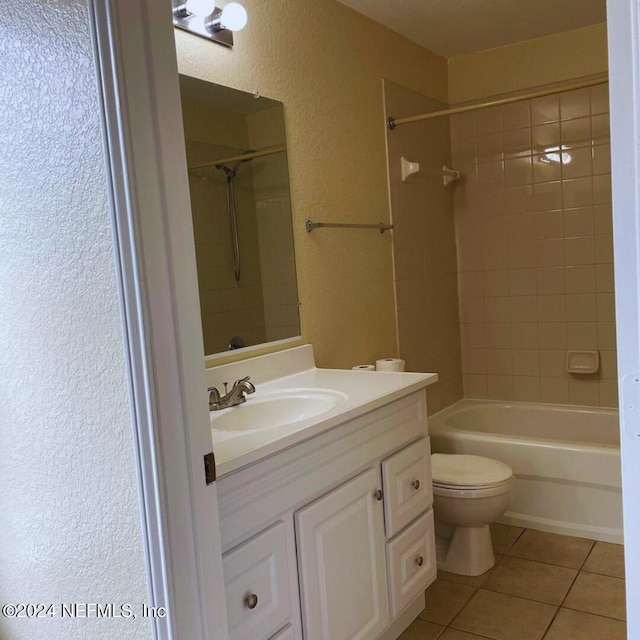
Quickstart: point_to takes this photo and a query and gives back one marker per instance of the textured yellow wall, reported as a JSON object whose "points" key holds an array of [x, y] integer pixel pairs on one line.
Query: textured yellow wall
{"points": [[326, 63], [556, 58]]}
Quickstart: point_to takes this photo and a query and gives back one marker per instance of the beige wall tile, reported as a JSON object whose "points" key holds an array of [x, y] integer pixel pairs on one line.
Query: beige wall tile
{"points": [[545, 135], [522, 227], [496, 309], [552, 309], [581, 279], [602, 158], [523, 309], [581, 307], [602, 189], [552, 335], [608, 365], [517, 143], [606, 307], [600, 99], [498, 336], [554, 390], [608, 393], [575, 104], [525, 362], [496, 283], [518, 171], [545, 109], [518, 199], [580, 165], [548, 225], [600, 128], [499, 362], [500, 387], [547, 196], [577, 193], [489, 120], [522, 254], [603, 220], [582, 335], [576, 132], [522, 282], [584, 391], [543, 170], [553, 363], [515, 116], [524, 336], [604, 278], [607, 335], [578, 222], [474, 386], [463, 125], [550, 253], [526, 389], [603, 249], [474, 361], [578, 251], [550, 280]]}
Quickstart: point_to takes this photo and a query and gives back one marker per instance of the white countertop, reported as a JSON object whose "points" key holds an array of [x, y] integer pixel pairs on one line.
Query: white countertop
{"points": [[363, 391]]}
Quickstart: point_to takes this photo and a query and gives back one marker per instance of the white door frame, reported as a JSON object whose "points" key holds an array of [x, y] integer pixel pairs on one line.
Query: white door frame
{"points": [[155, 261], [624, 86], [153, 238]]}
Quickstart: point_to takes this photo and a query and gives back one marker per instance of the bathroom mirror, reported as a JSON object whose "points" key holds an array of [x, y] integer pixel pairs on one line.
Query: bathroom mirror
{"points": [[241, 209]]}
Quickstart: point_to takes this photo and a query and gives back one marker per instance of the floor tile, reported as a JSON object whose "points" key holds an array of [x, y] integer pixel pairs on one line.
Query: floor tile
{"points": [[504, 617], [503, 536], [602, 595], [607, 559], [474, 581], [421, 630], [533, 580], [577, 625], [443, 600], [455, 634], [551, 548]]}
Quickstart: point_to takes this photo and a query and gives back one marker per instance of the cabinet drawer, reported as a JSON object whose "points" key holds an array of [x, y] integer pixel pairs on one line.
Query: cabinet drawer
{"points": [[256, 577], [411, 562], [407, 485]]}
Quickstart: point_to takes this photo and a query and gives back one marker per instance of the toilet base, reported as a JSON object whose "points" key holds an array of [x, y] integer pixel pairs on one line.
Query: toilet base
{"points": [[468, 552]]}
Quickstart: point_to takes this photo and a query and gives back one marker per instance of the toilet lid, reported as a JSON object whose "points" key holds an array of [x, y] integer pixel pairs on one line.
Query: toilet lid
{"points": [[468, 471]]}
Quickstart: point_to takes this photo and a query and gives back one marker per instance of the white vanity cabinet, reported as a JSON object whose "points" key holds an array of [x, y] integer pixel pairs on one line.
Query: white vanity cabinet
{"points": [[333, 538]]}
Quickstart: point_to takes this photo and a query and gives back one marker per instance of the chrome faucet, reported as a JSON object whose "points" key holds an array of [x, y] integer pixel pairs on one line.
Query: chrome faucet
{"points": [[238, 394]]}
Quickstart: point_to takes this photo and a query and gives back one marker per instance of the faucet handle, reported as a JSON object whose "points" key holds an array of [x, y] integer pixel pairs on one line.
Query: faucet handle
{"points": [[214, 395]]}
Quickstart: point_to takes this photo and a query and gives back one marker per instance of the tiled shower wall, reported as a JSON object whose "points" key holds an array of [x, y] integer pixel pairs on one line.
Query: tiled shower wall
{"points": [[424, 247], [535, 248]]}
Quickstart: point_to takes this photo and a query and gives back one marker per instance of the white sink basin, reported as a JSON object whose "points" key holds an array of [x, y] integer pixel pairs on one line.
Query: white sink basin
{"points": [[275, 409]]}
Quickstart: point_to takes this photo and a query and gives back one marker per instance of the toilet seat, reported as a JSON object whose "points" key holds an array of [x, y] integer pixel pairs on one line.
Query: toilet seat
{"points": [[468, 473]]}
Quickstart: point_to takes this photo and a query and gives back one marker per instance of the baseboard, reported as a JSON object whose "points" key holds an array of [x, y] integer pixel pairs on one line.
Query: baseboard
{"points": [[602, 534]]}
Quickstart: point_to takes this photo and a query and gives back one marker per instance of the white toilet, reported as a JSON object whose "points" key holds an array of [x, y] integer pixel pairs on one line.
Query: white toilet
{"points": [[469, 492]]}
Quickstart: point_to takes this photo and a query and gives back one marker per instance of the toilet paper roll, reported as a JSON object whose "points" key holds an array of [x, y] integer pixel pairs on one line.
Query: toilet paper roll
{"points": [[364, 367], [390, 364]]}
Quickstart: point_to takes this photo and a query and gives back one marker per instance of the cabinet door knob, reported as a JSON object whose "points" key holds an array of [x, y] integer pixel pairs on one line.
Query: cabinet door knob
{"points": [[252, 601], [377, 494], [419, 561], [416, 484]]}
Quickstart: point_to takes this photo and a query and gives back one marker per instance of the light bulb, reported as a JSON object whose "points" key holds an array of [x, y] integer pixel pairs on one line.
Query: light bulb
{"points": [[200, 7], [234, 17]]}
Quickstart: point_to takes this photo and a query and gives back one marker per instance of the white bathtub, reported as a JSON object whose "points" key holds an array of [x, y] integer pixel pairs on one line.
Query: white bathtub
{"points": [[566, 460]]}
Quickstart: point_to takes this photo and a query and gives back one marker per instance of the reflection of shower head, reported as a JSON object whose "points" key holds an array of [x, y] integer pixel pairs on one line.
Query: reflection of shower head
{"points": [[231, 172]]}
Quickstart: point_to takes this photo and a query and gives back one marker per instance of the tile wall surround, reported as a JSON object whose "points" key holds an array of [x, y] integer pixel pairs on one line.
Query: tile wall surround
{"points": [[424, 248], [535, 248]]}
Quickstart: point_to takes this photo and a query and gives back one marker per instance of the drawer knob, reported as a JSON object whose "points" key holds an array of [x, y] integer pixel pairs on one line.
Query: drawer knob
{"points": [[377, 494], [252, 601], [419, 561], [416, 484]]}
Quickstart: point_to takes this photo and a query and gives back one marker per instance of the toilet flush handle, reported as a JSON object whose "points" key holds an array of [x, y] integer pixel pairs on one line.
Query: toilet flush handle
{"points": [[416, 484]]}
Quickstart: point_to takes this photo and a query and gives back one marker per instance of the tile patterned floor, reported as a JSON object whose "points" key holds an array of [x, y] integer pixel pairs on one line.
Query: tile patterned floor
{"points": [[543, 587]]}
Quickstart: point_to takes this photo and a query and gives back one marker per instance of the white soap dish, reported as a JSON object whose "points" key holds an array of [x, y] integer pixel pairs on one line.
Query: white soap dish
{"points": [[583, 362]]}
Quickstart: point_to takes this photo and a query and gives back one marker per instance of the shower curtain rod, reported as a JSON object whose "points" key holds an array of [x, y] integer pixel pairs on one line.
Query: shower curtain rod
{"points": [[392, 122], [243, 156]]}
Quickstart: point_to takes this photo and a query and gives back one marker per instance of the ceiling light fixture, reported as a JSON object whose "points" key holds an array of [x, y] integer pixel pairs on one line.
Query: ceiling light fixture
{"points": [[203, 18]]}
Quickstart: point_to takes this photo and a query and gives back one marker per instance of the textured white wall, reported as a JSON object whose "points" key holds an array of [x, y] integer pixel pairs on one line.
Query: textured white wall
{"points": [[69, 511]]}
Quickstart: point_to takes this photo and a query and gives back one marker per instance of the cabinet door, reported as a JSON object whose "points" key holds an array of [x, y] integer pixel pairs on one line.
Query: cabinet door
{"points": [[407, 485], [341, 562]]}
